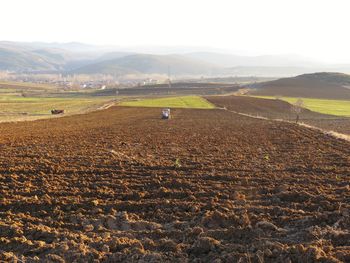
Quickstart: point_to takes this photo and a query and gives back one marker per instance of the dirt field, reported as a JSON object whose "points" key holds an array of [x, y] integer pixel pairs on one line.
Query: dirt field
{"points": [[278, 109], [121, 185], [316, 85]]}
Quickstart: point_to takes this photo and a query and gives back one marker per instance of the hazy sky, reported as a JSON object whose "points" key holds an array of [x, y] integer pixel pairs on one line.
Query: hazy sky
{"points": [[313, 28]]}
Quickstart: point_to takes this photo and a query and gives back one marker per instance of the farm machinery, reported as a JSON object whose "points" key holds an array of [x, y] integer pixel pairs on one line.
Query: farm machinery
{"points": [[55, 112], [166, 114]]}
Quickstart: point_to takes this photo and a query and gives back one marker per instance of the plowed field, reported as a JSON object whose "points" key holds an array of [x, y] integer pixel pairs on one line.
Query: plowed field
{"points": [[121, 185], [279, 109]]}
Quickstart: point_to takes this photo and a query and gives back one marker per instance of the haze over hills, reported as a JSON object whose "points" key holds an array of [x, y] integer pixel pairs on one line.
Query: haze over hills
{"points": [[326, 85], [16, 59], [75, 58], [33, 57], [230, 60], [151, 64]]}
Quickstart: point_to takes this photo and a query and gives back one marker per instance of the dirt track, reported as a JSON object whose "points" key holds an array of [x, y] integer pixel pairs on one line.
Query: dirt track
{"points": [[207, 186]]}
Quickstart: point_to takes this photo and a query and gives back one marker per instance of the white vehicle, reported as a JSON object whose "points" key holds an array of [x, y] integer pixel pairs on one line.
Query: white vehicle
{"points": [[166, 114]]}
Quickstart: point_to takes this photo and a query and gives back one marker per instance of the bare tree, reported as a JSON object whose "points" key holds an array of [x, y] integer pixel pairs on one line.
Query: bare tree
{"points": [[297, 108]]}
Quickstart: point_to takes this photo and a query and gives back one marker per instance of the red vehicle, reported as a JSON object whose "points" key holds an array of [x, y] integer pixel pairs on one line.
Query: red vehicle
{"points": [[57, 111]]}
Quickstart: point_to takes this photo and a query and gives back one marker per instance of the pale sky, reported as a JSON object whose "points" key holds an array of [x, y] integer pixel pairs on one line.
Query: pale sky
{"points": [[312, 28]]}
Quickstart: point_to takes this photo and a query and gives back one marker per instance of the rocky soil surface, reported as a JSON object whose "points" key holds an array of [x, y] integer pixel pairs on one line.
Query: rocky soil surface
{"points": [[122, 185]]}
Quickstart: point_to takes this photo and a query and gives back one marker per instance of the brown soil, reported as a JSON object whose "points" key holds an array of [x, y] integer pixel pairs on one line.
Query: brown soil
{"points": [[122, 185], [260, 107], [316, 85], [337, 124], [278, 109]]}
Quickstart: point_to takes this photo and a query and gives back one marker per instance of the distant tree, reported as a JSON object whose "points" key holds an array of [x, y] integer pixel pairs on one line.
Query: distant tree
{"points": [[297, 108], [116, 94]]}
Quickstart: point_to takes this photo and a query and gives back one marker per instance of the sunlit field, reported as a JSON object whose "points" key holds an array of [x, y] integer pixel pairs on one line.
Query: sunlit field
{"points": [[194, 102]]}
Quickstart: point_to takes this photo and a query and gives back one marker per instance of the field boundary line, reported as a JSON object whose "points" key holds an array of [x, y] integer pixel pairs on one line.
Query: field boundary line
{"points": [[107, 105]]}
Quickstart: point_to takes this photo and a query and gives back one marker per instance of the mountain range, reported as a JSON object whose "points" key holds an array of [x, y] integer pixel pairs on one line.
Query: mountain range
{"points": [[79, 58]]}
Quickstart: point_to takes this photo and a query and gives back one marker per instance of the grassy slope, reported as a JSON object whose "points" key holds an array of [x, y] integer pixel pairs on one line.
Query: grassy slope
{"points": [[13, 108], [41, 99], [173, 102], [332, 107]]}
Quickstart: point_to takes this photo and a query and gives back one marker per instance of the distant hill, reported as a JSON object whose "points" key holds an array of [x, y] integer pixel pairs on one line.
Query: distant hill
{"points": [[104, 67], [326, 85], [36, 57], [276, 72], [113, 55], [271, 61], [149, 64], [22, 60], [25, 57], [75, 58]]}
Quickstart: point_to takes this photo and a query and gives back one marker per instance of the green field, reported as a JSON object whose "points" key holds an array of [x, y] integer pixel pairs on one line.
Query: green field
{"points": [[15, 108], [332, 107], [194, 102], [31, 105]]}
